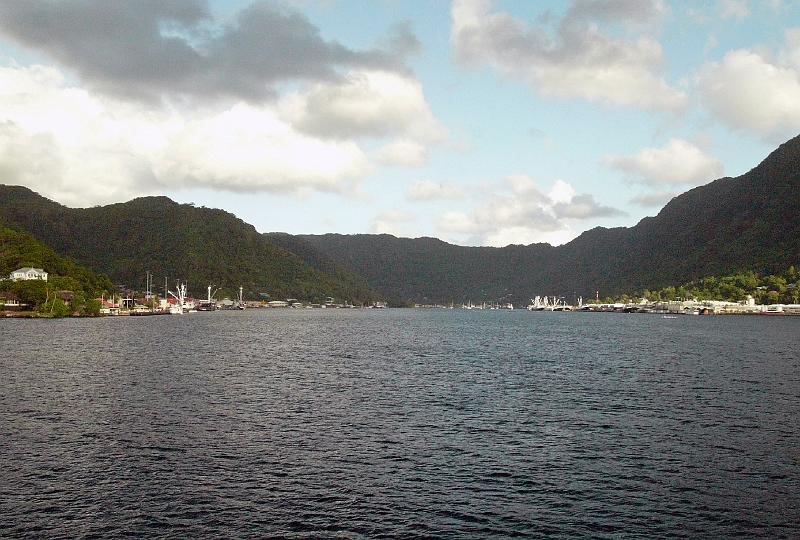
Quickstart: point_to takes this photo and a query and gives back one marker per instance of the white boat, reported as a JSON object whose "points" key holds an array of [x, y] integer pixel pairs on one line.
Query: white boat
{"points": [[241, 304], [181, 305]]}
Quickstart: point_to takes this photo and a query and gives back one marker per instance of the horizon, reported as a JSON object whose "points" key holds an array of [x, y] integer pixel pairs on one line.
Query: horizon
{"points": [[412, 119]]}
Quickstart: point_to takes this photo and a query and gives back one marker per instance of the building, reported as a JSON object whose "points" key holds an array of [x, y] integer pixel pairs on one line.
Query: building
{"points": [[108, 307], [28, 273], [10, 302]]}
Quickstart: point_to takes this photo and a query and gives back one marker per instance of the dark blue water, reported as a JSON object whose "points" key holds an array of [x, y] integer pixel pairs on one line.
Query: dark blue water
{"points": [[400, 424]]}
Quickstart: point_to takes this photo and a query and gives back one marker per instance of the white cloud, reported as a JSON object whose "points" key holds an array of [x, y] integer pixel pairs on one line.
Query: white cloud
{"points": [[82, 149], [561, 192], [430, 191], [525, 236], [367, 103], [659, 198], [733, 9], [459, 223], [678, 162], [402, 153], [583, 207], [751, 92], [392, 222], [248, 148], [519, 213], [580, 61]]}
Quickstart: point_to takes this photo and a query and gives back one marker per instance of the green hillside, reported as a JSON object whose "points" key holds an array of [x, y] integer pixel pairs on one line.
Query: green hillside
{"points": [[18, 250], [199, 245], [749, 223], [731, 225]]}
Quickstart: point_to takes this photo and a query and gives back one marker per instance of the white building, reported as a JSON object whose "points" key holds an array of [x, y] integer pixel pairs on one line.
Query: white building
{"points": [[28, 273]]}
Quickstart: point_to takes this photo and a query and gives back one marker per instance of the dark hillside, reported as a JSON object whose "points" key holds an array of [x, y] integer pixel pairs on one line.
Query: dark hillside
{"points": [[200, 245], [732, 224]]}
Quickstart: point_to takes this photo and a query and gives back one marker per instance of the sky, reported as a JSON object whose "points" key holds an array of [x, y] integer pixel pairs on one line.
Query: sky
{"points": [[479, 122]]}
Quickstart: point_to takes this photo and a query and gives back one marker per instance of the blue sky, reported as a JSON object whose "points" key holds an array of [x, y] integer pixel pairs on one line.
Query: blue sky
{"points": [[479, 122]]}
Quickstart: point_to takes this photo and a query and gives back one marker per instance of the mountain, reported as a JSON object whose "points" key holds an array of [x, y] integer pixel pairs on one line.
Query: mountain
{"points": [[732, 224], [200, 245], [316, 259]]}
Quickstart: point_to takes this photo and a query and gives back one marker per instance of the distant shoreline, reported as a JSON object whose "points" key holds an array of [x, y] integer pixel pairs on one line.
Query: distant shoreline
{"points": [[47, 316]]}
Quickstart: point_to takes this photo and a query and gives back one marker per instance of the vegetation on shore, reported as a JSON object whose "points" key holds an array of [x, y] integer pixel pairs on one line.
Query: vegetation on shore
{"points": [[779, 288], [70, 288]]}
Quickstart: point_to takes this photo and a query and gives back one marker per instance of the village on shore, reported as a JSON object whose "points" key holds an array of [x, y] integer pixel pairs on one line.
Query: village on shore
{"points": [[674, 307], [178, 302]]}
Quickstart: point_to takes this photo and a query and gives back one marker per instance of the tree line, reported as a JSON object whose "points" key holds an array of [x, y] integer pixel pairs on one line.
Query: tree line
{"points": [[779, 288]]}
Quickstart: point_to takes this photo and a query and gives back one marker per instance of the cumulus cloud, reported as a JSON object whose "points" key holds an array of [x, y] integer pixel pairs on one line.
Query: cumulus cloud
{"points": [[520, 213], [365, 103], [152, 49], [584, 207], [83, 149], [659, 198], [678, 162], [402, 40], [156, 95], [433, 191], [628, 11], [402, 153], [751, 92], [580, 61], [392, 222]]}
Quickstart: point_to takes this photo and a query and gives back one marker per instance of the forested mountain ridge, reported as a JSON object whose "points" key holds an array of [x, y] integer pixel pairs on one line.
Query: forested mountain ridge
{"points": [[201, 245], [748, 223], [316, 259], [751, 222]]}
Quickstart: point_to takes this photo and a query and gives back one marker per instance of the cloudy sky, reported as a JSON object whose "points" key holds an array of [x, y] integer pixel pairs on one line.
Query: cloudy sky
{"points": [[476, 121]]}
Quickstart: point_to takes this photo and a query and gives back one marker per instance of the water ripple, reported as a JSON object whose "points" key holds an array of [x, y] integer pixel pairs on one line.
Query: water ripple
{"points": [[400, 424]]}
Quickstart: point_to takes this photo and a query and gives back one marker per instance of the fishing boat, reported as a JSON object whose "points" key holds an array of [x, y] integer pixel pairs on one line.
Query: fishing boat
{"points": [[182, 304], [241, 304], [208, 304]]}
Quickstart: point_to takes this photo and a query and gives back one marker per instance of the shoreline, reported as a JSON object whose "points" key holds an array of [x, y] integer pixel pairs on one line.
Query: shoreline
{"points": [[37, 315]]}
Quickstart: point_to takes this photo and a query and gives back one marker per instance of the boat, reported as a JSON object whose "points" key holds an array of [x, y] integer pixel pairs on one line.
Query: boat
{"points": [[181, 305], [240, 305], [208, 304]]}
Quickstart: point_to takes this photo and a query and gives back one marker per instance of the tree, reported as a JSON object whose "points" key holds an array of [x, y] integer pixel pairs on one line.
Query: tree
{"points": [[91, 308], [776, 283], [32, 292], [54, 306]]}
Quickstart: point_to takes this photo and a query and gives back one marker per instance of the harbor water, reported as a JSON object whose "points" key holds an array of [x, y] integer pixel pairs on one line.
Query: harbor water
{"points": [[400, 424]]}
